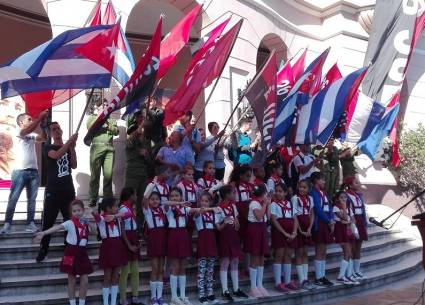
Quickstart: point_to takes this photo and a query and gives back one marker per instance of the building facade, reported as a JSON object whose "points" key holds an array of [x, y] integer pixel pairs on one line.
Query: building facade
{"points": [[287, 26]]}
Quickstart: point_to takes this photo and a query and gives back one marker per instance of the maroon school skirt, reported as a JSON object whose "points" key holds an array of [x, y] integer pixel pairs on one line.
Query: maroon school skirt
{"points": [[178, 245], [133, 238], [323, 234], [113, 253], [341, 233], [75, 261], [157, 242], [304, 222], [256, 241], [361, 227], [243, 208], [229, 244], [207, 245], [279, 240]]}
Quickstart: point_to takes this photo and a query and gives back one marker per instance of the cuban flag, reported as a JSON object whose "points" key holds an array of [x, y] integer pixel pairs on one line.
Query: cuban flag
{"points": [[299, 94], [370, 145], [319, 117], [76, 59], [363, 115]]}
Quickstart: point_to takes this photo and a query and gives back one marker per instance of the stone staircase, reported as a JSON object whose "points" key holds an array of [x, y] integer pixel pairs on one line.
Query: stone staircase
{"points": [[389, 256]]}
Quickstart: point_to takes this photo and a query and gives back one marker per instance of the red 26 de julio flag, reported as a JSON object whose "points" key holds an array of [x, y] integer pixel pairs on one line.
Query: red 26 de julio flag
{"points": [[139, 86], [202, 72], [174, 42], [261, 95]]}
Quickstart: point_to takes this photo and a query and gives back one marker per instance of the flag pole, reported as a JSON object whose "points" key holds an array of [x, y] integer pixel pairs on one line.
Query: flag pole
{"points": [[85, 110]]}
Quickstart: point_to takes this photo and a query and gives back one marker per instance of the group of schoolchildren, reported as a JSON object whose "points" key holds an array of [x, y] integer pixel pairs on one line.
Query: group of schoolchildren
{"points": [[232, 223]]}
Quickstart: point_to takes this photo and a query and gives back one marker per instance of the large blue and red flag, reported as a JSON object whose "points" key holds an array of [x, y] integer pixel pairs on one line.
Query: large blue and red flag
{"points": [[299, 95], [59, 63], [139, 86], [319, 117]]}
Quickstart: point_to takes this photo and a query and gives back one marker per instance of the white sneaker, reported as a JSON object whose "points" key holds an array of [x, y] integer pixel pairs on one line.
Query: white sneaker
{"points": [[353, 281], [185, 301], [360, 275], [344, 280], [176, 301], [6, 228], [31, 228]]}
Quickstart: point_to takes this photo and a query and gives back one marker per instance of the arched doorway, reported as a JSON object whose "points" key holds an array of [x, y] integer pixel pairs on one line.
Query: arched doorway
{"points": [[268, 43]]}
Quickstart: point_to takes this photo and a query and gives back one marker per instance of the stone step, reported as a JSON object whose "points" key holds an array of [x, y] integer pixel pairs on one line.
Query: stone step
{"points": [[29, 251], [385, 274]]}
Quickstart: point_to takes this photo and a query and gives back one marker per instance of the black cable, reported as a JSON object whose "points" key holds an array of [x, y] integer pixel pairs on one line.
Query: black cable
{"points": [[399, 215]]}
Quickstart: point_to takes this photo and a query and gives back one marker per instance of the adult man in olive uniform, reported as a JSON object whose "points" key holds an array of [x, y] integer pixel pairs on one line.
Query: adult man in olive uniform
{"points": [[139, 159], [329, 166], [102, 154]]}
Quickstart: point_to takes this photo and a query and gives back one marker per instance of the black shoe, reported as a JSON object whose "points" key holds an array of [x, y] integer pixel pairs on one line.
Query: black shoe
{"points": [[41, 256], [326, 282], [203, 300], [227, 296], [212, 299], [240, 294], [318, 282]]}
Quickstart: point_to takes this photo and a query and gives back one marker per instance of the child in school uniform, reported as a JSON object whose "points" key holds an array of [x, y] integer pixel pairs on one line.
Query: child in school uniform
{"points": [[208, 182], [283, 215], [229, 246], [75, 261], [189, 191], [305, 217], [113, 252], [257, 244], [276, 171], [259, 175], [156, 222], [206, 249], [179, 246], [323, 227], [159, 184], [128, 214], [343, 219], [357, 206]]}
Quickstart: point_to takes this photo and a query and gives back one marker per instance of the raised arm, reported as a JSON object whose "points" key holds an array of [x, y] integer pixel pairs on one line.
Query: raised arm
{"points": [[57, 154], [33, 125]]}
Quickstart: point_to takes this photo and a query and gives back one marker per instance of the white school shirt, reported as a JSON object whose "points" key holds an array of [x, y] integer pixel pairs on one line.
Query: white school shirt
{"points": [[182, 221], [128, 221], [189, 191], [24, 149], [307, 160], [255, 205], [298, 205], [276, 209], [222, 213], [243, 192], [161, 188], [71, 235], [201, 221], [210, 185], [356, 203], [272, 182], [102, 225], [149, 218], [336, 210]]}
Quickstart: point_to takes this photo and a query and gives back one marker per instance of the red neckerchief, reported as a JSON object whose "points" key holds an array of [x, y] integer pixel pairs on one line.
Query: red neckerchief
{"points": [[283, 205], [189, 186], [177, 211], [255, 198], [208, 217], [258, 181], [130, 208], [163, 184], [227, 208], [112, 223], [276, 179], [209, 181], [304, 201], [82, 229], [358, 199], [158, 212]]}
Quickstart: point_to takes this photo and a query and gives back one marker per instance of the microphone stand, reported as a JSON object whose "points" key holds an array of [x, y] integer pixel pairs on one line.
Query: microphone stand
{"points": [[401, 208]]}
